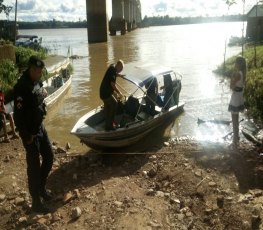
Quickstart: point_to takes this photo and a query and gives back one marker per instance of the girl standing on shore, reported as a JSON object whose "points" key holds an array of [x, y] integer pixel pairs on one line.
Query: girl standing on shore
{"points": [[236, 104]]}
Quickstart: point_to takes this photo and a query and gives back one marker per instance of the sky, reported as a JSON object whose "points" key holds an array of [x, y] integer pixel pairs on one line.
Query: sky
{"points": [[74, 10]]}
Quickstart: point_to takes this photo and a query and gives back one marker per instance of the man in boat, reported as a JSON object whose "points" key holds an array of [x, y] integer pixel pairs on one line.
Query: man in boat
{"points": [[107, 89], [4, 116], [29, 113]]}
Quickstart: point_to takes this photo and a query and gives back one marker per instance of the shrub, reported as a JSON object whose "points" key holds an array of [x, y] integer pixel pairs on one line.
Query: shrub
{"points": [[249, 56], [228, 69], [23, 54], [8, 77], [9, 72], [254, 94]]}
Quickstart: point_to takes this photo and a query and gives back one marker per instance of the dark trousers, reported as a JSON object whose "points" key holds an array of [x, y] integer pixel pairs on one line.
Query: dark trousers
{"points": [[110, 107], [37, 173]]}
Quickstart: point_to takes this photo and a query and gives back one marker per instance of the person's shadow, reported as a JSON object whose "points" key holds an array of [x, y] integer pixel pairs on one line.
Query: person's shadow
{"points": [[246, 164], [248, 169], [88, 170]]}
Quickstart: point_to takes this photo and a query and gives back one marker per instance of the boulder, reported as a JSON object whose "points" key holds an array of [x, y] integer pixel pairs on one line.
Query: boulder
{"points": [[19, 201], [152, 173], [150, 192], [118, 204], [68, 146], [160, 194], [22, 220], [212, 184], [61, 150], [2, 197], [67, 197], [77, 193], [76, 213]]}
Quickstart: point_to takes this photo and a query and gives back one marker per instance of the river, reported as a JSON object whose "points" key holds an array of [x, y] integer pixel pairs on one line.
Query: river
{"points": [[192, 50]]}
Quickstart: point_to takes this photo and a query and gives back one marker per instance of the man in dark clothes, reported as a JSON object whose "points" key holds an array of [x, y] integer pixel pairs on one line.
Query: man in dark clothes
{"points": [[107, 89], [29, 112]]}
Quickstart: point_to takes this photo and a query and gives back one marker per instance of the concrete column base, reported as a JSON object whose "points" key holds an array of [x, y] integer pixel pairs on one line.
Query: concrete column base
{"points": [[129, 27], [113, 32]]}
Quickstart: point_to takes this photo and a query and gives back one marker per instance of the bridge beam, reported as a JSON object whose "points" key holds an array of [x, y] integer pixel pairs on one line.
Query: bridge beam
{"points": [[97, 21]]}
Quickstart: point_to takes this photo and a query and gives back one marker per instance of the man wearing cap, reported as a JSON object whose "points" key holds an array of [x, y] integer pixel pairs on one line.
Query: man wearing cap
{"points": [[29, 113]]}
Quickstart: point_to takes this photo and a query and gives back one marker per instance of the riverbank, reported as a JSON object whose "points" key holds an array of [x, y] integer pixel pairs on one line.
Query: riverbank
{"points": [[182, 184]]}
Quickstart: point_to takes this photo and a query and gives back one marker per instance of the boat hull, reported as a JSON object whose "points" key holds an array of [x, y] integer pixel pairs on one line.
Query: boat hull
{"points": [[51, 99], [127, 136]]}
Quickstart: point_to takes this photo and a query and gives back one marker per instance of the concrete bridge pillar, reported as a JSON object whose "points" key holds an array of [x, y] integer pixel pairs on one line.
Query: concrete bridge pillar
{"points": [[97, 20], [118, 9], [127, 14], [117, 22], [139, 12], [134, 12]]}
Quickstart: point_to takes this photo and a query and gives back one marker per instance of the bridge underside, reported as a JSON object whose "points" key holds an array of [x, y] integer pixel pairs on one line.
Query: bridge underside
{"points": [[126, 14]]}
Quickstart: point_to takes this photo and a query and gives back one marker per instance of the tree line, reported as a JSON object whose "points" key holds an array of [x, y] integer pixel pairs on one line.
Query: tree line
{"points": [[167, 20], [147, 21], [52, 24]]}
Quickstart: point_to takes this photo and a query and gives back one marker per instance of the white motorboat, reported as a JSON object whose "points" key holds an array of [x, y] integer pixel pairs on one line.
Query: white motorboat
{"points": [[56, 86], [134, 119]]}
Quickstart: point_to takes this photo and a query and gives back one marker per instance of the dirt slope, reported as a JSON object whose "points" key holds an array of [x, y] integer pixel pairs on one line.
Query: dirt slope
{"points": [[182, 185]]}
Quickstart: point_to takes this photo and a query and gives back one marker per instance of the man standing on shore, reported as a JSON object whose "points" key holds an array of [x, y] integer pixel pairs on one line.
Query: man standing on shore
{"points": [[29, 113]]}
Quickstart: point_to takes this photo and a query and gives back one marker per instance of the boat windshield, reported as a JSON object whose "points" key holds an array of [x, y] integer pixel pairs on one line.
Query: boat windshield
{"points": [[160, 87], [142, 75]]}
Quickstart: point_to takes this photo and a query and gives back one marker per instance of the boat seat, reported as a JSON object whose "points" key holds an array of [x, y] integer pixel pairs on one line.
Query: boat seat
{"points": [[142, 116], [131, 106]]}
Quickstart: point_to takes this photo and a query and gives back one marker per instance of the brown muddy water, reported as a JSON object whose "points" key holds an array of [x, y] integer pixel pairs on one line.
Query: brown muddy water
{"points": [[192, 50]]}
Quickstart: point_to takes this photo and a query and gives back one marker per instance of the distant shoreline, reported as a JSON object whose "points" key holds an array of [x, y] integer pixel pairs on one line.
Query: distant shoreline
{"points": [[146, 22], [141, 26]]}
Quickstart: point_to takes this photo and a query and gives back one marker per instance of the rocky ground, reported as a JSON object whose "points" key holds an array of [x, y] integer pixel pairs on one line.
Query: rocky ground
{"points": [[182, 184]]}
